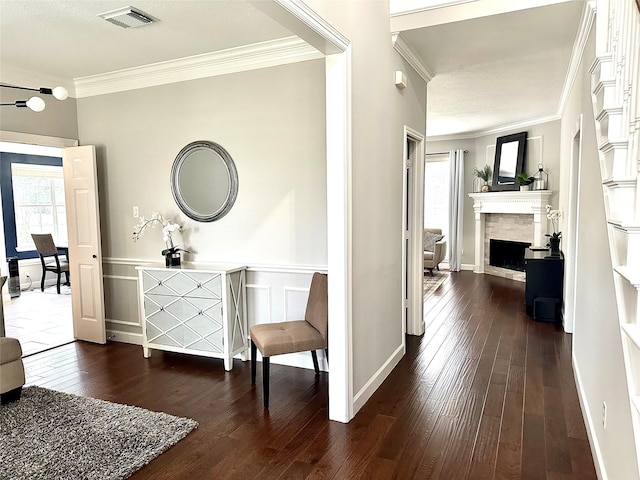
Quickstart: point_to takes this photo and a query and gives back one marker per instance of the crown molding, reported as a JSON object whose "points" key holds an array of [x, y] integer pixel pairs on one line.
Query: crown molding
{"points": [[444, 4], [505, 128], [304, 22], [238, 59], [579, 44], [411, 56]]}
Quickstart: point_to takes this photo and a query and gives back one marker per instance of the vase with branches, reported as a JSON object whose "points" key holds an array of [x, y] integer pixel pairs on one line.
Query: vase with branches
{"points": [[483, 174]]}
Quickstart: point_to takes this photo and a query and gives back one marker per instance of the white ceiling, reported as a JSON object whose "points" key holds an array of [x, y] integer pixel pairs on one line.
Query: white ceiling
{"points": [[496, 70], [66, 39], [489, 72]]}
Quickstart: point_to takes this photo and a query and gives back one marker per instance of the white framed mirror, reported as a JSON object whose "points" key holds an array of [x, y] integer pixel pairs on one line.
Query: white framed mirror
{"points": [[204, 181]]}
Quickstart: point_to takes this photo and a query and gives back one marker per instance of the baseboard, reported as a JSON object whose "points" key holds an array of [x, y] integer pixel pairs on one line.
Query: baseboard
{"points": [[588, 421], [124, 337], [376, 380]]}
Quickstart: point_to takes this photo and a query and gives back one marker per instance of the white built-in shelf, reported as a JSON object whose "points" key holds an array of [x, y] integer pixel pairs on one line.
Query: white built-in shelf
{"points": [[632, 332]]}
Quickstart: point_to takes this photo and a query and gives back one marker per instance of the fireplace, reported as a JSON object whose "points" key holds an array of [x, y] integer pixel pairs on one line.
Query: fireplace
{"points": [[507, 254], [521, 218]]}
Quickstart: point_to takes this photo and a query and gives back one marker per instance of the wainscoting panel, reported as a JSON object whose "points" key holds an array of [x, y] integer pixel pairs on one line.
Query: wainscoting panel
{"points": [[274, 294], [295, 303], [258, 304], [120, 280]]}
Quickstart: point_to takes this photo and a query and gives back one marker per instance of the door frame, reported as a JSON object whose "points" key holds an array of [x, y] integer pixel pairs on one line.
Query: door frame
{"points": [[573, 209], [37, 140], [412, 226]]}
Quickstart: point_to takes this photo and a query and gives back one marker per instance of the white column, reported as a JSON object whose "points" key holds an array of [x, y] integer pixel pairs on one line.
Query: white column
{"points": [[539, 226], [479, 241]]}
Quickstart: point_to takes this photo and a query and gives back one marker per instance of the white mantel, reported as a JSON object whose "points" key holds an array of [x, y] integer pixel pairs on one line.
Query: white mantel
{"points": [[516, 202]]}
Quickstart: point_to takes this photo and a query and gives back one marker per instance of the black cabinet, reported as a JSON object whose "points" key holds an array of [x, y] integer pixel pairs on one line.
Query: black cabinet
{"points": [[543, 288]]}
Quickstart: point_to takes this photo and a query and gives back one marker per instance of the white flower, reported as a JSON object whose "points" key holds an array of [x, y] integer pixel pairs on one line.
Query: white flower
{"points": [[168, 230], [554, 216], [168, 227]]}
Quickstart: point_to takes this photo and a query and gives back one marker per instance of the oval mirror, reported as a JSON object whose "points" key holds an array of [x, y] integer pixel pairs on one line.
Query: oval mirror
{"points": [[204, 181]]}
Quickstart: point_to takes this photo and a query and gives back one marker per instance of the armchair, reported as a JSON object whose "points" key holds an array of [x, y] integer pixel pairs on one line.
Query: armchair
{"points": [[435, 248]]}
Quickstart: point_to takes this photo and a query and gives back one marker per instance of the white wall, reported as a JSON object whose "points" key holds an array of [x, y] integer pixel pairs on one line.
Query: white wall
{"points": [[58, 119], [271, 121], [379, 113], [597, 347]]}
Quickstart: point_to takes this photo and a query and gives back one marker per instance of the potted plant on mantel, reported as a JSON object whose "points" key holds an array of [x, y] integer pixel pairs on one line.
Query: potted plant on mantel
{"points": [[524, 181], [483, 174]]}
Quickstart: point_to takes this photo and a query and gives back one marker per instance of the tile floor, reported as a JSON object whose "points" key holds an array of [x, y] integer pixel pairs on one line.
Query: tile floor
{"points": [[40, 320]]}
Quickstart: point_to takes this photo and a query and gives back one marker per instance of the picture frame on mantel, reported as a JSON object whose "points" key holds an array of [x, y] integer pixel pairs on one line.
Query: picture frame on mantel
{"points": [[509, 161]]}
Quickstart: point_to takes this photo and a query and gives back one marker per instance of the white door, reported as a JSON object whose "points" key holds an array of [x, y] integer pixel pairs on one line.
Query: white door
{"points": [[85, 252]]}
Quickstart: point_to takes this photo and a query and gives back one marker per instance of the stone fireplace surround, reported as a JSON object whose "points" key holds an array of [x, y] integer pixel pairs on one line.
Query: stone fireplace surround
{"points": [[509, 207]]}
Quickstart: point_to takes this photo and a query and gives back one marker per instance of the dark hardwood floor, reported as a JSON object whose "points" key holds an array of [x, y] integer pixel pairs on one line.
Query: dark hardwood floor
{"points": [[485, 393]]}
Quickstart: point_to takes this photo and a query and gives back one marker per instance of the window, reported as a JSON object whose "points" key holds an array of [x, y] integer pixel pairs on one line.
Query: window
{"points": [[436, 192], [32, 201], [38, 201]]}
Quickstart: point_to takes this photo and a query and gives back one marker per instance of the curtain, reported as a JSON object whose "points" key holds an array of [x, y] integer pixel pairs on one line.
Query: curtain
{"points": [[456, 205]]}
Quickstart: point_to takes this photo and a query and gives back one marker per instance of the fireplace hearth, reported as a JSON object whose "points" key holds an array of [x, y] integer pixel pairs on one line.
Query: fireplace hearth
{"points": [[507, 254]]}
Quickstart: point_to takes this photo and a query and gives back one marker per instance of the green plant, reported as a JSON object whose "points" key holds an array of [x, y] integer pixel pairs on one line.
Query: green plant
{"points": [[524, 179], [484, 173]]}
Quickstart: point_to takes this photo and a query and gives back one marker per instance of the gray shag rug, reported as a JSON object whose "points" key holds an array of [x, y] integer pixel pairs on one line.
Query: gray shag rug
{"points": [[54, 435]]}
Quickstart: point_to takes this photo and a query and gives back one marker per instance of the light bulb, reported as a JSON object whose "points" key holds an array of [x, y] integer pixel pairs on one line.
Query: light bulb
{"points": [[60, 93], [36, 104]]}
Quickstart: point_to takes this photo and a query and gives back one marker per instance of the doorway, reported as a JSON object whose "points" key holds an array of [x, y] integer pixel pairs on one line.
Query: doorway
{"points": [[33, 201], [572, 228], [412, 225]]}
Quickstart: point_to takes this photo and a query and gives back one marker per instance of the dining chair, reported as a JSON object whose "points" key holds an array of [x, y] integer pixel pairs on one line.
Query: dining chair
{"points": [[46, 250], [293, 336]]}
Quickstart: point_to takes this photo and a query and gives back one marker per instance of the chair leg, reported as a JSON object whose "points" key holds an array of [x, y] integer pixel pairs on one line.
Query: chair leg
{"points": [[10, 396], [58, 284], [326, 352], [265, 381], [254, 354], [44, 273], [66, 275], [314, 355]]}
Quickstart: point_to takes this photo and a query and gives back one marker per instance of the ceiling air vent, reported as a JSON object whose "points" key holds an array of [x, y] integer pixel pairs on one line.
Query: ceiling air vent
{"points": [[128, 17]]}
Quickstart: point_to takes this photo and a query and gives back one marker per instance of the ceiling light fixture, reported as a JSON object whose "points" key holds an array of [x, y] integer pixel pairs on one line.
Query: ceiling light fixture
{"points": [[128, 17], [36, 103]]}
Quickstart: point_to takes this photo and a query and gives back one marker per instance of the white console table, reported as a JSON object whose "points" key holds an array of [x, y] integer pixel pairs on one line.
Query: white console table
{"points": [[194, 309]]}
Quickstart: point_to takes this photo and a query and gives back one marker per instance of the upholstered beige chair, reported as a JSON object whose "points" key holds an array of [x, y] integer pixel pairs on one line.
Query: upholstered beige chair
{"points": [[293, 336], [432, 258], [11, 370], [49, 259], [11, 367]]}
